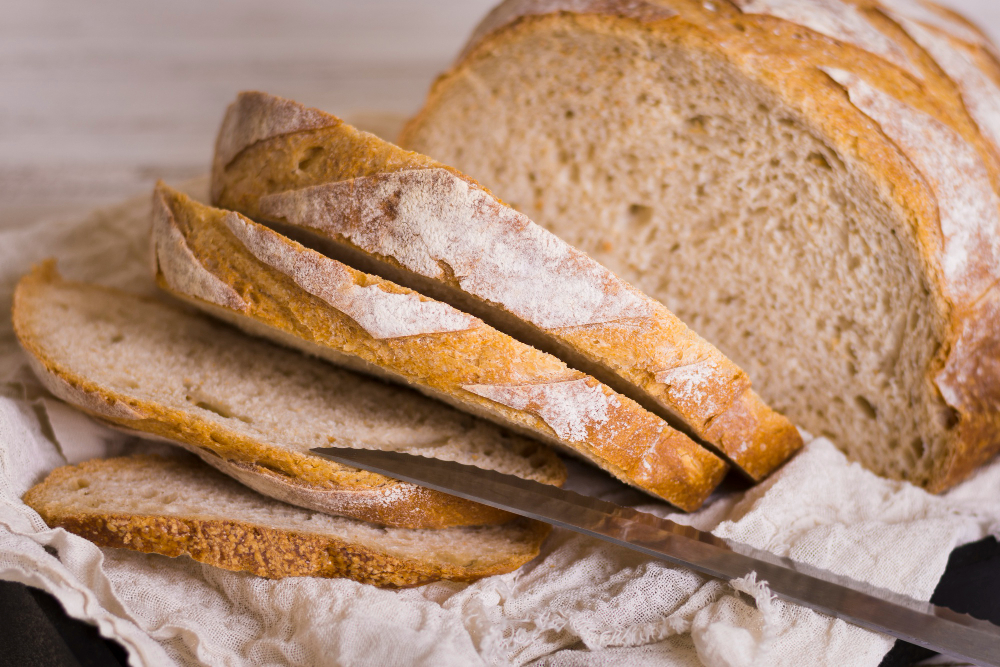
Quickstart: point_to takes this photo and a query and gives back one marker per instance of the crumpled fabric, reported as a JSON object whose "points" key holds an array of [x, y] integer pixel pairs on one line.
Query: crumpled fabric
{"points": [[581, 602]]}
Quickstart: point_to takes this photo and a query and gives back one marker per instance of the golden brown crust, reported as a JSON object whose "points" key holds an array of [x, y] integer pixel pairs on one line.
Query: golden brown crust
{"points": [[971, 379], [414, 507], [797, 60], [379, 207], [755, 436], [473, 367], [336, 488], [261, 550]]}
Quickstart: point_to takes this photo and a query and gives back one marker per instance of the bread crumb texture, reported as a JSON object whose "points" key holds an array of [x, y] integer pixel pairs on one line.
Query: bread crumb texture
{"points": [[810, 184]]}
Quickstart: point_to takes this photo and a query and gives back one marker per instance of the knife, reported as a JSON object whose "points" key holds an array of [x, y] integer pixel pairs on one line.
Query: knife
{"points": [[937, 628]]}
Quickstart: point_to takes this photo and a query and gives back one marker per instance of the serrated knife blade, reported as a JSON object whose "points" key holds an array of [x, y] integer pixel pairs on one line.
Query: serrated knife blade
{"points": [[936, 628]]}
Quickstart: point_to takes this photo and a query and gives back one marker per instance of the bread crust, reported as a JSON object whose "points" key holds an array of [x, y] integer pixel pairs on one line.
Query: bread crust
{"points": [[398, 505], [303, 480], [430, 227], [262, 550], [929, 60], [298, 293]]}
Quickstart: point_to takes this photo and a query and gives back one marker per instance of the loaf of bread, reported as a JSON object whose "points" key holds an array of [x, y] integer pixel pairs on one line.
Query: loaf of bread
{"points": [[271, 286], [254, 410], [810, 184], [421, 224], [181, 507]]}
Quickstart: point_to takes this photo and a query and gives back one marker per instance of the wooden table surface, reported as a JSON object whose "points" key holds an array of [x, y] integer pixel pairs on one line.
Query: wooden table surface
{"points": [[100, 98]]}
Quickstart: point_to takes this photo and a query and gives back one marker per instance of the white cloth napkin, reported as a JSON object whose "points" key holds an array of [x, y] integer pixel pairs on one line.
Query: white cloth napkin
{"points": [[582, 602]]}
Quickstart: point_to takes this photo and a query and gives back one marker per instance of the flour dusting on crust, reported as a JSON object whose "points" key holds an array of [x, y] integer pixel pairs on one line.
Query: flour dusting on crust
{"points": [[979, 92], [569, 408], [382, 314], [916, 11], [966, 381], [836, 19], [691, 384], [180, 268], [968, 208], [432, 222]]}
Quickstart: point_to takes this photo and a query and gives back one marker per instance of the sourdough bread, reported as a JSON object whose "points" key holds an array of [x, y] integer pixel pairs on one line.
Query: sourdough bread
{"points": [[272, 286], [421, 224], [254, 410], [810, 184], [181, 507]]}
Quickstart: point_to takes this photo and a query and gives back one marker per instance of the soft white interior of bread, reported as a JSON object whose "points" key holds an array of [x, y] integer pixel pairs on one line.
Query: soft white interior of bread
{"points": [[702, 189], [149, 487], [148, 351]]}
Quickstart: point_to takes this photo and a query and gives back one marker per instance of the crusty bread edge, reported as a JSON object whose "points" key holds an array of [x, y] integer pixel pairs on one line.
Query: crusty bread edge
{"points": [[408, 507], [420, 508], [267, 552]]}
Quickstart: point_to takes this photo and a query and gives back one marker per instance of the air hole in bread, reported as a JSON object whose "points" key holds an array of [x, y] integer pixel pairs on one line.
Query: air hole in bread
{"points": [[819, 160], [949, 417], [215, 407], [117, 338], [310, 157], [639, 216], [696, 124], [866, 407]]}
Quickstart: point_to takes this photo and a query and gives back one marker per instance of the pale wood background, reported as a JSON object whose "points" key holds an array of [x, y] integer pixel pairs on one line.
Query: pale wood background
{"points": [[99, 98]]}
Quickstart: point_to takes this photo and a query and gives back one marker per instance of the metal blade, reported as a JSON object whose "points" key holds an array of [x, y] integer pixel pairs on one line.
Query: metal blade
{"points": [[922, 623]]}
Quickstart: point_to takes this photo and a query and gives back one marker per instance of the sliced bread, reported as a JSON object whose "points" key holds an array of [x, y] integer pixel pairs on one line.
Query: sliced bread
{"points": [[421, 224], [812, 186], [181, 507], [269, 285], [253, 410]]}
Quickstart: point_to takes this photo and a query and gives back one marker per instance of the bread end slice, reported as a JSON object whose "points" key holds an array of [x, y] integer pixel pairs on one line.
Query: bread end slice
{"points": [[178, 507]]}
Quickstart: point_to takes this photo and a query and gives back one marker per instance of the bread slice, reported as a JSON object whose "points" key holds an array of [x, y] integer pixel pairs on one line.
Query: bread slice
{"points": [[410, 219], [812, 186], [254, 410], [181, 507], [269, 285]]}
